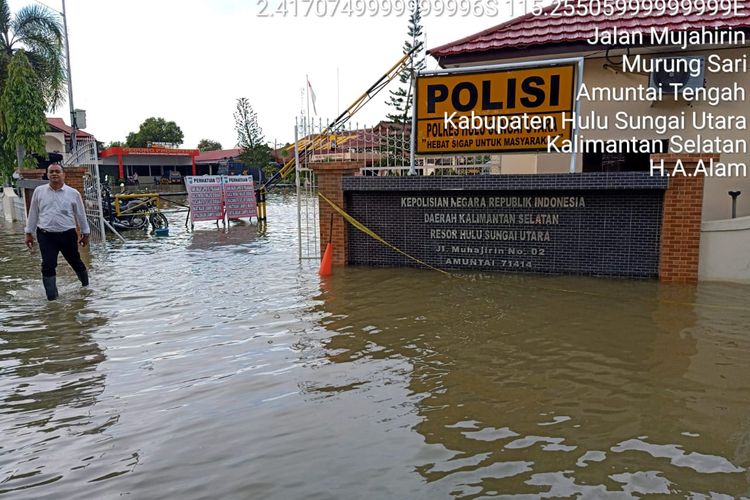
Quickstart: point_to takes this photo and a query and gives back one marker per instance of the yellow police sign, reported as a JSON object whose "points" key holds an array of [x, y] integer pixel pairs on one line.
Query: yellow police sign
{"points": [[510, 110]]}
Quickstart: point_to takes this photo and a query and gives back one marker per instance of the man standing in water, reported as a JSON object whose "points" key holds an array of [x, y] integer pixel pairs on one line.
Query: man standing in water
{"points": [[55, 209]]}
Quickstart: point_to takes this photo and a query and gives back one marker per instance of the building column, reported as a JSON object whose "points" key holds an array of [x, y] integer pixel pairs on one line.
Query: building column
{"points": [[681, 216], [331, 223]]}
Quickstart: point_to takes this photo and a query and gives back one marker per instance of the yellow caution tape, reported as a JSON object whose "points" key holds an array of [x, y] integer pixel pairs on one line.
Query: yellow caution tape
{"points": [[354, 222]]}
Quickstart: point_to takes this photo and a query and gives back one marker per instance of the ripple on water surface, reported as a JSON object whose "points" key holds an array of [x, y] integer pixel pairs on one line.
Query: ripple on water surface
{"points": [[211, 364]]}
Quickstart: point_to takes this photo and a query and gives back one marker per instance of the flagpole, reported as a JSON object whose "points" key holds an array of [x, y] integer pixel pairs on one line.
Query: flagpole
{"points": [[302, 110], [307, 87]]}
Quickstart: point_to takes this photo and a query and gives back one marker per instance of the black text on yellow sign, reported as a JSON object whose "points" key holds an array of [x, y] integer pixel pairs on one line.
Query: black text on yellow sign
{"points": [[495, 111]]}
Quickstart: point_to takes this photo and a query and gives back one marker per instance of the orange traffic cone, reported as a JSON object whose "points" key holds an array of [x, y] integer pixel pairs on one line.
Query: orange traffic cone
{"points": [[326, 263]]}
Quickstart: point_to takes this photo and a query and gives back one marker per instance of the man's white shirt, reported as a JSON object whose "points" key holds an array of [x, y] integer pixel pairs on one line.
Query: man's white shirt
{"points": [[56, 210]]}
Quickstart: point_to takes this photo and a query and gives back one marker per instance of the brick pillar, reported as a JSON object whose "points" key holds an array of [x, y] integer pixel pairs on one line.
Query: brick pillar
{"points": [[329, 185], [73, 178], [681, 217], [31, 173]]}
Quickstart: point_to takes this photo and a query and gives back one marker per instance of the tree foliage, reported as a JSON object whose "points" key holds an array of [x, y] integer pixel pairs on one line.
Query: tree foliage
{"points": [[208, 145], [155, 130], [250, 137], [7, 160], [38, 31], [22, 118], [400, 100]]}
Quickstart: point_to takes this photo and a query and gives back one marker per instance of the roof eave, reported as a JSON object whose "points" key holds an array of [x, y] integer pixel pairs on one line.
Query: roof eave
{"points": [[578, 46], [515, 53]]}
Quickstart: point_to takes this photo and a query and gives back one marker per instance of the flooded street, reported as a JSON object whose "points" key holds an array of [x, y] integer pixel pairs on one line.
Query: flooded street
{"points": [[213, 365]]}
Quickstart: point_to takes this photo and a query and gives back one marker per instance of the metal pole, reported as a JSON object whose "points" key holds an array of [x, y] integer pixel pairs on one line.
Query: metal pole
{"points": [[575, 132], [297, 182], [413, 136], [73, 126], [307, 91]]}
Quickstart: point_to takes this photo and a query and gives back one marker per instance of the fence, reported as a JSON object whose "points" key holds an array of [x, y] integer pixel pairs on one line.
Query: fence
{"points": [[382, 150], [86, 155], [307, 196]]}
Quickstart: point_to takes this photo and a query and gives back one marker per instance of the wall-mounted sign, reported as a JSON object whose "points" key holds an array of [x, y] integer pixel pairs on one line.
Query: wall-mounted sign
{"points": [[153, 151], [511, 110], [597, 225]]}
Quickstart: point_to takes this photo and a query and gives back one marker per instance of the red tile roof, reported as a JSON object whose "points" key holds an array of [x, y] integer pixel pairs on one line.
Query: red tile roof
{"points": [[535, 31], [60, 125], [215, 156]]}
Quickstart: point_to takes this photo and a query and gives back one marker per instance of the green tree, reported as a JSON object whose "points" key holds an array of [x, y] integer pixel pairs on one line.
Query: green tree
{"points": [[155, 130], [7, 160], [250, 137], [38, 31], [115, 144], [22, 119], [400, 100], [208, 145]]}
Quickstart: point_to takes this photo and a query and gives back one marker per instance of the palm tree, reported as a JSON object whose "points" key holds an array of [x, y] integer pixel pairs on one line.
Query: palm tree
{"points": [[38, 31]]}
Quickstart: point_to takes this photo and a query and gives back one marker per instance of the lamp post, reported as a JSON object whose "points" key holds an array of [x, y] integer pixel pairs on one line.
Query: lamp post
{"points": [[73, 125]]}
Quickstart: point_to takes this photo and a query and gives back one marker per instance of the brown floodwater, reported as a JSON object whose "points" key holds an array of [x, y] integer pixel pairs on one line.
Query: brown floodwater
{"points": [[211, 364]]}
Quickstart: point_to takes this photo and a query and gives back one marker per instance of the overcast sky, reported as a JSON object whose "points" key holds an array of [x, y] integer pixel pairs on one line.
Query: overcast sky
{"points": [[189, 60]]}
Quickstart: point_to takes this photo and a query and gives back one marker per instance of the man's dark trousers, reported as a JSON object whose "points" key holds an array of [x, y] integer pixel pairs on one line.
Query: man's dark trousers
{"points": [[66, 242]]}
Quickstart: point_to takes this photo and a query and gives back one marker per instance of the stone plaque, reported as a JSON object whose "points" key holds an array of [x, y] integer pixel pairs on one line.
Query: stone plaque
{"points": [[585, 231]]}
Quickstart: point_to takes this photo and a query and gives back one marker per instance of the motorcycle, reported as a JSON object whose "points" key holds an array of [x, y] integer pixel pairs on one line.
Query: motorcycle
{"points": [[134, 213]]}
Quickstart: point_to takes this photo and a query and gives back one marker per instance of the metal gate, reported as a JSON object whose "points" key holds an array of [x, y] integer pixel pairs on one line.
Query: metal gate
{"points": [[380, 150], [86, 155], [307, 200]]}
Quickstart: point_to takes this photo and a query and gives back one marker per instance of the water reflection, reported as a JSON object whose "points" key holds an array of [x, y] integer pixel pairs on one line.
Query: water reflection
{"points": [[212, 364], [50, 382], [208, 236], [58, 349], [556, 386]]}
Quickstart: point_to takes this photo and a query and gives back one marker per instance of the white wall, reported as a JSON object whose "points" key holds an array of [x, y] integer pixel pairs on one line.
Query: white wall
{"points": [[54, 142], [725, 250]]}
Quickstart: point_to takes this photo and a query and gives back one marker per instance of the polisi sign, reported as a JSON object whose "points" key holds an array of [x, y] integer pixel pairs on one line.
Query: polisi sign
{"points": [[510, 110]]}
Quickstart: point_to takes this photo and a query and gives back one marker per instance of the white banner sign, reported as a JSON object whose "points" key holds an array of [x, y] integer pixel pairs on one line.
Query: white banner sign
{"points": [[205, 197], [211, 196], [239, 196]]}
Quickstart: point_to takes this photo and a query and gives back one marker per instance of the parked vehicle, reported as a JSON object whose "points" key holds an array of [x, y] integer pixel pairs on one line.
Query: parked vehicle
{"points": [[132, 211]]}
